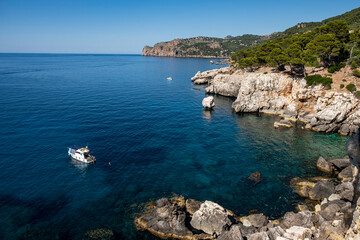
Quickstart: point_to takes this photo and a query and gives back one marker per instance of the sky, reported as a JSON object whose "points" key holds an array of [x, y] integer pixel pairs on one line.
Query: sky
{"points": [[119, 26]]}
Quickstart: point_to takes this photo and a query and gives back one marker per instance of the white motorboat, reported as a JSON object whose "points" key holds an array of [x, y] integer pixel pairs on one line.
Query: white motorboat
{"points": [[81, 154]]}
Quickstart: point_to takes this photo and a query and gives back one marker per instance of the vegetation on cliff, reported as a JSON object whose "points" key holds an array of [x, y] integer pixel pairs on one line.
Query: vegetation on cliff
{"points": [[328, 45]]}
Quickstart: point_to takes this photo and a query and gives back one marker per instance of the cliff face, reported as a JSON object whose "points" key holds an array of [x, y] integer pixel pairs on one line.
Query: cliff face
{"points": [[195, 47], [204, 46], [276, 93]]}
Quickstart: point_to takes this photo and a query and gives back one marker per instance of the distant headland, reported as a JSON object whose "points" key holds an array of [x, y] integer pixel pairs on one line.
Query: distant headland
{"points": [[211, 47]]}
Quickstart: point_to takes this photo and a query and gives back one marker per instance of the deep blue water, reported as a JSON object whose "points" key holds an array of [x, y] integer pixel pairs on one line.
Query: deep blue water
{"points": [[154, 132]]}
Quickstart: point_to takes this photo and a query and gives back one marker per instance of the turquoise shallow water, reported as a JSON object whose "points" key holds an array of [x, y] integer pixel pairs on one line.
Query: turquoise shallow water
{"points": [[154, 132]]}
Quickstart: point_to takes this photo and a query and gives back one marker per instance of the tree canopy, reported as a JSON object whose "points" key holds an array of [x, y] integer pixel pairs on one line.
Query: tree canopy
{"points": [[325, 45]]}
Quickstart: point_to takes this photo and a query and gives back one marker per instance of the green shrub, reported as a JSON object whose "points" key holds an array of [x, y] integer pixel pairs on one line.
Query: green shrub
{"points": [[344, 80], [353, 65], [351, 87], [316, 79], [342, 85], [265, 72], [336, 67], [357, 93], [356, 73]]}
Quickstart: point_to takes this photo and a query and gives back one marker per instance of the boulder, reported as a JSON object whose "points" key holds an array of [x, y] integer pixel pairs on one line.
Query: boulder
{"points": [[258, 236], [329, 212], [233, 234], [211, 218], [298, 233], [340, 163], [328, 231], [346, 175], [208, 102], [323, 165], [345, 190], [257, 220], [334, 197], [192, 206], [167, 220], [302, 219], [247, 230], [321, 190], [275, 232]]}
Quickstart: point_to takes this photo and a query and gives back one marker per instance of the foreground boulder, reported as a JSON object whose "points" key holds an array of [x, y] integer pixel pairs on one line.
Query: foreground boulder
{"points": [[167, 220], [208, 102], [301, 219], [211, 218], [233, 234]]}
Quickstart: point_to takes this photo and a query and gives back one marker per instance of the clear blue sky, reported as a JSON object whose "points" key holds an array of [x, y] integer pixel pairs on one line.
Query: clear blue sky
{"points": [[110, 26]]}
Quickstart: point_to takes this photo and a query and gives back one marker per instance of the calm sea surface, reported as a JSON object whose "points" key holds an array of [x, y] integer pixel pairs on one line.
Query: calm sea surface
{"points": [[155, 134]]}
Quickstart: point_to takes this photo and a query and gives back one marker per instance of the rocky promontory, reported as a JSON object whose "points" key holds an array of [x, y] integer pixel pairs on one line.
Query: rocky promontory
{"points": [[320, 109], [330, 210], [329, 214]]}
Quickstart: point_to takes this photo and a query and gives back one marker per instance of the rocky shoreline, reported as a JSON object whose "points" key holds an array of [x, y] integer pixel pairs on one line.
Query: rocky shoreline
{"points": [[289, 97], [326, 213]]}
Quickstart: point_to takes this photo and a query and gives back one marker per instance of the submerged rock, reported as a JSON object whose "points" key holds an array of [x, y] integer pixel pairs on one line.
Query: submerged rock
{"points": [[283, 123], [100, 234], [211, 218], [256, 177], [302, 186], [208, 102]]}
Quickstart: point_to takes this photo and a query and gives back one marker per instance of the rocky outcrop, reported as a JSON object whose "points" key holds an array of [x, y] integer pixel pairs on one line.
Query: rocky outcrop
{"points": [[211, 218], [320, 109], [167, 220], [210, 48], [208, 102]]}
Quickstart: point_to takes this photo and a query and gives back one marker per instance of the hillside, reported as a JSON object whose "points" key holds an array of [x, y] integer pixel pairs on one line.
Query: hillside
{"points": [[224, 47], [204, 46]]}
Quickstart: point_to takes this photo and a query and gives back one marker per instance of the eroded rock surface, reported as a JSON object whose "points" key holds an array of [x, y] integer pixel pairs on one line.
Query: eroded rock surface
{"points": [[277, 93], [211, 218]]}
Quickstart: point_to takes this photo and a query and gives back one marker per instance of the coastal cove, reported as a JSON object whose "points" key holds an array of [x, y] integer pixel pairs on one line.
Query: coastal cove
{"points": [[153, 131]]}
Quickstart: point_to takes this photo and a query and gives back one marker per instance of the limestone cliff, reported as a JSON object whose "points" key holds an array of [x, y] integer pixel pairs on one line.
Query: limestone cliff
{"points": [[204, 46], [277, 93]]}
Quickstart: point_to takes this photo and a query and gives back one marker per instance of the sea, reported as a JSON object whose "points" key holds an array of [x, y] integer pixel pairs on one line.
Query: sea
{"points": [[151, 138]]}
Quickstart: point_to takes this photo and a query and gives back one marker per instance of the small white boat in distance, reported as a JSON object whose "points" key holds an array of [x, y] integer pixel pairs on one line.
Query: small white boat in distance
{"points": [[169, 78], [81, 154]]}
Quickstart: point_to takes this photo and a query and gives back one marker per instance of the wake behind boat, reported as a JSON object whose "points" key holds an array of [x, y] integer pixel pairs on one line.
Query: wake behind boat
{"points": [[81, 154]]}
